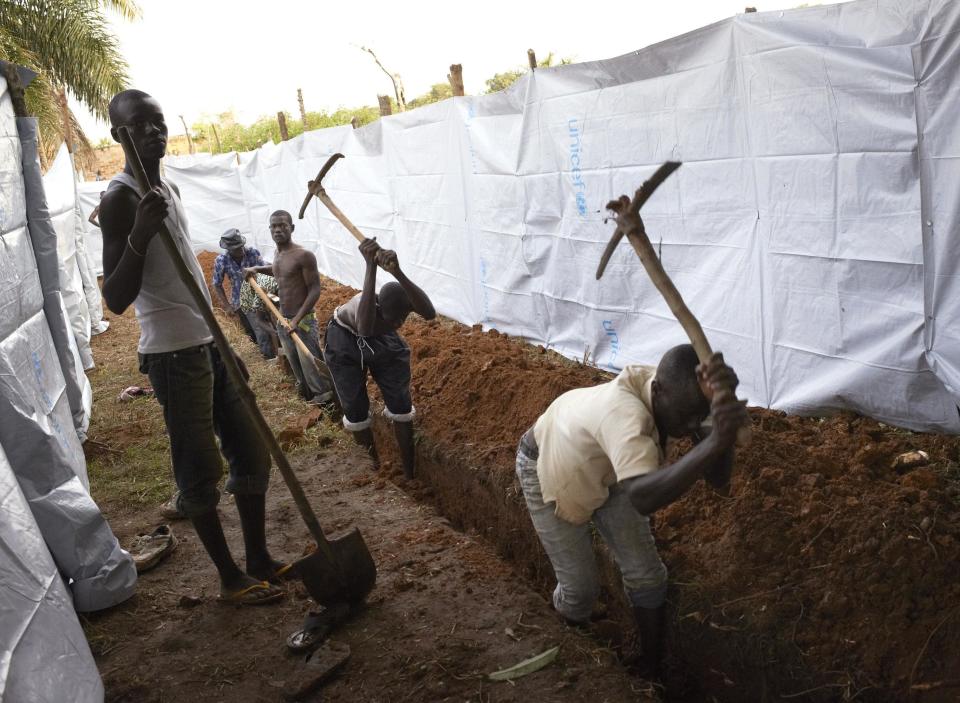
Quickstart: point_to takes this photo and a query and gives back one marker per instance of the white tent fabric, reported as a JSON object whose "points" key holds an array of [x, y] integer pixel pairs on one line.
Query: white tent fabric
{"points": [[59, 183], [816, 248], [44, 657], [42, 414]]}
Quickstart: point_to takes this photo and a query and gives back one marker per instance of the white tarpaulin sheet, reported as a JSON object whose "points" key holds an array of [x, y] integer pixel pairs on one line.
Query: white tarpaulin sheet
{"points": [[40, 396], [44, 656], [812, 227], [59, 185]]}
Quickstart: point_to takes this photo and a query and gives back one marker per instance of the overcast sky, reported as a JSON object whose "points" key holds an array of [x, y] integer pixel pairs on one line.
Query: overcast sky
{"points": [[203, 57]]}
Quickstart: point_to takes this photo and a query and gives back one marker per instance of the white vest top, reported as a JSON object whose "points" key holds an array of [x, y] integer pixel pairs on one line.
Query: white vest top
{"points": [[169, 319]]}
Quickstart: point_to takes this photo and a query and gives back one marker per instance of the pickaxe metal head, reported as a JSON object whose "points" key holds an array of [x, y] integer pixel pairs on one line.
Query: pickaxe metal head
{"points": [[314, 187], [625, 208]]}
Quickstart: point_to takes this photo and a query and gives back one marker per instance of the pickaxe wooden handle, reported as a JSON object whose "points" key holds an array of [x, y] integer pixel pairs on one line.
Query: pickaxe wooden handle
{"points": [[627, 215], [315, 188]]}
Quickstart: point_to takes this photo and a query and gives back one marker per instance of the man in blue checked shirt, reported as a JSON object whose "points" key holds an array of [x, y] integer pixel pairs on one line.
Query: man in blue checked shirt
{"points": [[238, 256]]}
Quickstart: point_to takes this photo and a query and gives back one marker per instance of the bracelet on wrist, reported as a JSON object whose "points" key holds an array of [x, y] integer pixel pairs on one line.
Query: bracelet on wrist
{"points": [[133, 248]]}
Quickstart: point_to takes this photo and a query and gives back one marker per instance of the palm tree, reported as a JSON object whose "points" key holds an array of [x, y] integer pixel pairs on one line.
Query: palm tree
{"points": [[70, 45]]}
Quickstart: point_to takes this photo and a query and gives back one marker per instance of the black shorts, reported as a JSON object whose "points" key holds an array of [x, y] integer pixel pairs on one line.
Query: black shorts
{"points": [[386, 356]]}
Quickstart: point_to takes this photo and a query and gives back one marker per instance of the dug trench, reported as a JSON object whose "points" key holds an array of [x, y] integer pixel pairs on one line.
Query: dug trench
{"points": [[827, 574]]}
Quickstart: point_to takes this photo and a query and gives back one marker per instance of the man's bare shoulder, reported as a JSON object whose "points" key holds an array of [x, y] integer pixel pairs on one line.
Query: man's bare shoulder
{"points": [[298, 257], [117, 205]]}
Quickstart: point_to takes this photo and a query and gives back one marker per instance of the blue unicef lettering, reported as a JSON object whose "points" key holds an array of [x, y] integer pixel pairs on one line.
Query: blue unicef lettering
{"points": [[576, 175], [614, 343]]}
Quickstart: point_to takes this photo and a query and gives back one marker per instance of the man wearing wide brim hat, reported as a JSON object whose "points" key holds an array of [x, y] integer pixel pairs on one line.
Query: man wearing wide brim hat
{"points": [[239, 256]]}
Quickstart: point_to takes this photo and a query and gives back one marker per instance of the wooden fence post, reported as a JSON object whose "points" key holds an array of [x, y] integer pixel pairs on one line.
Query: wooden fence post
{"points": [[385, 108], [187, 132], [282, 120], [216, 136], [303, 111], [532, 59], [456, 78]]}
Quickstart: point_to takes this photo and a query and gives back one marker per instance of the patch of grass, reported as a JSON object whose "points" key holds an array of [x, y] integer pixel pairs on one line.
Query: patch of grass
{"points": [[129, 457]]}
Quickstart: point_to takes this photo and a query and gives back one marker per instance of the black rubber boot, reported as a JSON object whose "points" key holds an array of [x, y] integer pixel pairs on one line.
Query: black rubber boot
{"points": [[648, 651], [365, 439], [403, 431]]}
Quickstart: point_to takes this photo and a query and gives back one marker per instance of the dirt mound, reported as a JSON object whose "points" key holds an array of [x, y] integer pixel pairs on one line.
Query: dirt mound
{"points": [[825, 565]]}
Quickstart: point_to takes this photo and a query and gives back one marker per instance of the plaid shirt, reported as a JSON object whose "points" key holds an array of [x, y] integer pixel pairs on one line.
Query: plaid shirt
{"points": [[226, 264]]}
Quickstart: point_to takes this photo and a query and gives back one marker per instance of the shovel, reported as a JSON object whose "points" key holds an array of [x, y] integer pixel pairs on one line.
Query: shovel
{"points": [[339, 570], [294, 334]]}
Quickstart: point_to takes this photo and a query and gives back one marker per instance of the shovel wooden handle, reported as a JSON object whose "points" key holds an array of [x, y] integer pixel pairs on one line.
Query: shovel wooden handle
{"points": [[265, 298], [229, 360]]}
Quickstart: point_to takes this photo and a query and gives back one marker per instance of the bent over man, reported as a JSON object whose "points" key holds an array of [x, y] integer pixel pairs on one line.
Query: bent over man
{"points": [[596, 455], [200, 402], [362, 335]]}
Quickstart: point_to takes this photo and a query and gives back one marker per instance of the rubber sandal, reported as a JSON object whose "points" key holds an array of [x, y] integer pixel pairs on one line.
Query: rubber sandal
{"points": [[285, 572], [316, 627], [249, 595]]}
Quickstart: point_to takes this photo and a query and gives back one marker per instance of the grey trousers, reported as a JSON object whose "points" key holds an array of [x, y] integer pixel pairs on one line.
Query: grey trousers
{"points": [[570, 548]]}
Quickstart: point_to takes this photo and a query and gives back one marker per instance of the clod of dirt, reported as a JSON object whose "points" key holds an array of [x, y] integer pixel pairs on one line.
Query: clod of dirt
{"points": [[910, 460], [189, 601]]}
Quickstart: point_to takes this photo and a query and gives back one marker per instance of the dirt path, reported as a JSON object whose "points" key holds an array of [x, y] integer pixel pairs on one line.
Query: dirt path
{"points": [[829, 574], [446, 609]]}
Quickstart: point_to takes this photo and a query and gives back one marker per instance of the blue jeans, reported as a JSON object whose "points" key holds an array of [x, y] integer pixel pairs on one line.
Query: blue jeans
{"points": [[570, 548]]}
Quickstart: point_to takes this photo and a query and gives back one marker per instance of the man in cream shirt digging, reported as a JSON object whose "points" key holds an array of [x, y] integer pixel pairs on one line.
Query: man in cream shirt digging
{"points": [[596, 455]]}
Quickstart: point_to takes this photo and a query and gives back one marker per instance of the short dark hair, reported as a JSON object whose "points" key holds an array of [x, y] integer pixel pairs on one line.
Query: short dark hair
{"points": [[282, 213], [118, 100], [677, 372]]}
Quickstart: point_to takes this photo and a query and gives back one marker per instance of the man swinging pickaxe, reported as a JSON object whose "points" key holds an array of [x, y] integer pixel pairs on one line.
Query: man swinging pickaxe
{"points": [[626, 213]]}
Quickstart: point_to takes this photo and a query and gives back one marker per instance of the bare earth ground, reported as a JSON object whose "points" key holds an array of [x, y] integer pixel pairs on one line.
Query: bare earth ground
{"points": [[827, 575], [446, 609]]}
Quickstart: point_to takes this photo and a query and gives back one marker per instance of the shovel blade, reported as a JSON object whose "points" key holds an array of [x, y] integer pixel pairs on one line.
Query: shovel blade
{"points": [[349, 580]]}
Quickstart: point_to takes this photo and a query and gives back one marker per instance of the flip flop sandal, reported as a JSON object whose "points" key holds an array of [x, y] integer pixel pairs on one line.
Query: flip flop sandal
{"points": [[316, 627], [286, 572], [249, 595]]}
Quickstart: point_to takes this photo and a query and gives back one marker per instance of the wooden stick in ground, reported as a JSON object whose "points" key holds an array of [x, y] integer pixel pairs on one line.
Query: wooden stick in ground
{"points": [[455, 78], [229, 360], [186, 130]]}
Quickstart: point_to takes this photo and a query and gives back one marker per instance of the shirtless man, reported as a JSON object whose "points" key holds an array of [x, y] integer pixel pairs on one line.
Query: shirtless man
{"points": [[200, 402], [361, 336], [295, 269]]}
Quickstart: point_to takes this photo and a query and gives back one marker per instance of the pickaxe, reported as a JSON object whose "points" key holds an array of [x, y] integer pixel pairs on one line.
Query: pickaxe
{"points": [[626, 213], [315, 188]]}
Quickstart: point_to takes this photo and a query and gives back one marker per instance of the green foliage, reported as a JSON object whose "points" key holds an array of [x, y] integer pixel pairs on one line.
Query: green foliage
{"points": [[437, 92], [237, 137], [502, 81], [69, 43]]}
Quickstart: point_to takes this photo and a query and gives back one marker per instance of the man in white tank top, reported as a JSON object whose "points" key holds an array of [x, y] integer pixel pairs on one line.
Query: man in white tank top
{"points": [[199, 401]]}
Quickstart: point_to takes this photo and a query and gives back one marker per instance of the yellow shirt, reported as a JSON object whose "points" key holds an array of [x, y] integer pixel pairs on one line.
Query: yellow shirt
{"points": [[590, 438]]}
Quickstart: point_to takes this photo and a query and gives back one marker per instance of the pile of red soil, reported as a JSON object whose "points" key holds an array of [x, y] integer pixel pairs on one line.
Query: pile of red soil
{"points": [[825, 564]]}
